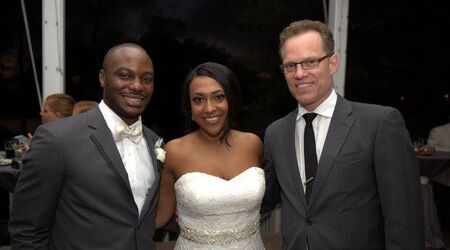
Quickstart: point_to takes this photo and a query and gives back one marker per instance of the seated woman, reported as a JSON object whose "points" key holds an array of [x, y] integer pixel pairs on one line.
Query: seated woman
{"points": [[57, 106], [83, 106], [212, 175], [439, 137]]}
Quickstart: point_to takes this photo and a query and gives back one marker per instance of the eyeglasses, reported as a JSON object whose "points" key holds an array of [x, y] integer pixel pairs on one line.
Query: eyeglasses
{"points": [[306, 65]]}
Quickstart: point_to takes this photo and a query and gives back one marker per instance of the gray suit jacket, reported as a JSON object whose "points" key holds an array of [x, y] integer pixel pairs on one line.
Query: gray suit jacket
{"points": [[73, 191], [366, 193]]}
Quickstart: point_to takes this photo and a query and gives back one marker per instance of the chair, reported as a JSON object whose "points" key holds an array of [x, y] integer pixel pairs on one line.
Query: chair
{"points": [[433, 233]]}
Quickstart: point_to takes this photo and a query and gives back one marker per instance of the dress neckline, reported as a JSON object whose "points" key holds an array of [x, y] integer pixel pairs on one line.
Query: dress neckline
{"points": [[214, 176]]}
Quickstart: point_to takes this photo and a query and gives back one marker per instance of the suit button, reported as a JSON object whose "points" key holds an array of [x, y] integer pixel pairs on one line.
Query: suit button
{"points": [[308, 222]]}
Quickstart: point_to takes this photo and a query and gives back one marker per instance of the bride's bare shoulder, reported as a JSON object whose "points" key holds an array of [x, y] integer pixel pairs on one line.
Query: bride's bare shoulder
{"points": [[178, 152], [247, 138], [179, 145]]}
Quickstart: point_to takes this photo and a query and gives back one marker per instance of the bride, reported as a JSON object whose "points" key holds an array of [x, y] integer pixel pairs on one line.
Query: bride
{"points": [[211, 176]]}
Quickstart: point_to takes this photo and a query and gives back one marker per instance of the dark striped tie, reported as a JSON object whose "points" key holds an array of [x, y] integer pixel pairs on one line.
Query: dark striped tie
{"points": [[310, 153]]}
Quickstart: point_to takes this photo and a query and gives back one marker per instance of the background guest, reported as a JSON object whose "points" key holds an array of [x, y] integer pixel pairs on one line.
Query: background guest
{"points": [[439, 137], [83, 106], [57, 106]]}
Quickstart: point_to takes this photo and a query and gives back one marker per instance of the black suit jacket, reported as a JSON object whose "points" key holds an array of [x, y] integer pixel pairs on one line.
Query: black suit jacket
{"points": [[73, 191], [367, 189]]}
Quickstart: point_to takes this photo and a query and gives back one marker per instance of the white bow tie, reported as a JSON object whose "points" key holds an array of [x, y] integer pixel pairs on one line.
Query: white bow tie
{"points": [[132, 133]]}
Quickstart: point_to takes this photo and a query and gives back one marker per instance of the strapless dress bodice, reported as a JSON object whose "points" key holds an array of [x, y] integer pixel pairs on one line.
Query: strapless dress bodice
{"points": [[214, 213]]}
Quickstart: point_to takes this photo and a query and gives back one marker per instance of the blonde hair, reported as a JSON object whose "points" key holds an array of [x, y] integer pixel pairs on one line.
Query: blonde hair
{"points": [[61, 103], [301, 27], [83, 106]]}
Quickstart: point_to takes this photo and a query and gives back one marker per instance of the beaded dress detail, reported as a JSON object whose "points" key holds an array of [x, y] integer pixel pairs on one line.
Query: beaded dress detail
{"points": [[214, 213]]}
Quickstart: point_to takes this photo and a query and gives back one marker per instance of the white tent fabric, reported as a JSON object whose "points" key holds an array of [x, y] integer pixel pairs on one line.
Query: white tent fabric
{"points": [[338, 23]]}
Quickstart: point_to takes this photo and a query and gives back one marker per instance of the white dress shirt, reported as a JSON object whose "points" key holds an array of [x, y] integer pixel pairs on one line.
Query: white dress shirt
{"points": [[320, 125], [135, 158]]}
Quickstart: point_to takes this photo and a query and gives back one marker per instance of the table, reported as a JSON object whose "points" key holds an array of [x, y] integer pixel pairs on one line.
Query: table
{"points": [[436, 167], [8, 180], [8, 177]]}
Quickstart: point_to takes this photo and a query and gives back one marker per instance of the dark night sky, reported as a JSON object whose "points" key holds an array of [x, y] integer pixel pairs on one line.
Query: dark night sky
{"points": [[396, 54]]}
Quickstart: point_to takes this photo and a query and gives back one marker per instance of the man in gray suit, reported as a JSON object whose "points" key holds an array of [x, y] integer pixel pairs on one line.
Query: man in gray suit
{"points": [[365, 193], [91, 181]]}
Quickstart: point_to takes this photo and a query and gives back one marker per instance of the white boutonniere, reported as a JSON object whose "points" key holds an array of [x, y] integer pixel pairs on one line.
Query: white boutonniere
{"points": [[159, 151]]}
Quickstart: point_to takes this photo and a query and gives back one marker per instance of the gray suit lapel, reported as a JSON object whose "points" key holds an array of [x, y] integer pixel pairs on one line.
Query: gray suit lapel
{"points": [[151, 196], [293, 171], [102, 137], [340, 125]]}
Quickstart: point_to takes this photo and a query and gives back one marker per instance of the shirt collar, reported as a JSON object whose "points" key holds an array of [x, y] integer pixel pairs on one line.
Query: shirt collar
{"points": [[325, 109], [112, 119]]}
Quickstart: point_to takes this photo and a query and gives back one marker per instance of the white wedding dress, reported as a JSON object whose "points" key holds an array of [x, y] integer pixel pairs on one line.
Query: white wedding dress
{"points": [[214, 213]]}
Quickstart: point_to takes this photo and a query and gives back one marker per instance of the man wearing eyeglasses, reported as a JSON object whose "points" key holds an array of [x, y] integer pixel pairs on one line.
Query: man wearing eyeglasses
{"points": [[345, 172]]}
